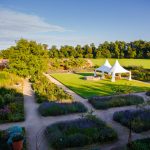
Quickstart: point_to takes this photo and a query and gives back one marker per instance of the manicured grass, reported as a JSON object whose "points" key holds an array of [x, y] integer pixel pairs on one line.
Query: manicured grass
{"points": [[124, 62], [115, 101], [56, 109], [105, 87], [79, 132], [138, 119]]}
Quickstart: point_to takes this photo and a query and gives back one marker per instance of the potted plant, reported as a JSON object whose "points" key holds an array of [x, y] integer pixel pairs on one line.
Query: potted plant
{"points": [[17, 142]]}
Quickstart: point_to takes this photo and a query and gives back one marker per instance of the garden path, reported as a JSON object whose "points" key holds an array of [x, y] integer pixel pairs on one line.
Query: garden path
{"points": [[36, 124], [107, 116]]}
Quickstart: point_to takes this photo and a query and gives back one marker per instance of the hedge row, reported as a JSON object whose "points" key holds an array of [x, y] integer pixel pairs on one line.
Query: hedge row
{"points": [[115, 101], [54, 109]]}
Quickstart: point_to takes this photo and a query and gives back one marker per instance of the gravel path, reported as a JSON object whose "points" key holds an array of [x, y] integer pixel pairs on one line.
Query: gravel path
{"points": [[35, 124], [106, 115]]}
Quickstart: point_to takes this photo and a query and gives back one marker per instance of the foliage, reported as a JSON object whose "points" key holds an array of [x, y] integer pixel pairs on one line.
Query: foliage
{"points": [[141, 144], [54, 109], [139, 73], [104, 87], [10, 80], [45, 90], [148, 93], [12, 109], [79, 132], [4, 138], [139, 119], [115, 101], [117, 49], [67, 64], [18, 138], [27, 58]]}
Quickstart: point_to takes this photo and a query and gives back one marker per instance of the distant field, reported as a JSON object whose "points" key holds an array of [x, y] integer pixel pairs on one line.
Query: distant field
{"points": [[102, 87], [124, 62]]}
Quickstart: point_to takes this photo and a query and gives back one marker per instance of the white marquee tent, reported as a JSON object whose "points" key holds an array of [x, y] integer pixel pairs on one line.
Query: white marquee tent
{"points": [[117, 68], [104, 68]]}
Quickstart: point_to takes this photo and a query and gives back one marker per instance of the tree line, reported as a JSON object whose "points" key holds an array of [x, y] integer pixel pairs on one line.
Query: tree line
{"points": [[117, 49]]}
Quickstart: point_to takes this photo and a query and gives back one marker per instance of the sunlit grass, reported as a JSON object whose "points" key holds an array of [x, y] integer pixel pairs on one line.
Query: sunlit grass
{"points": [[124, 62], [87, 88]]}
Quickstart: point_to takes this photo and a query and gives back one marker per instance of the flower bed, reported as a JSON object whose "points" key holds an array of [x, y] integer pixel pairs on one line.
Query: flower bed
{"points": [[54, 109], [11, 106], [79, 132], [142, 144], [138, 119], [115, 101], [45, 90]]}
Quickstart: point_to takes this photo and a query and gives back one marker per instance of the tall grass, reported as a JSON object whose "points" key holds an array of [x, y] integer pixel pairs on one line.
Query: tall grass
{"points": [[9, 80]]}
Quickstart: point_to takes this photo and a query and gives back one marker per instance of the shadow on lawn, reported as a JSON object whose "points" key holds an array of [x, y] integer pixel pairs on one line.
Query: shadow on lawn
{"points": [[87, 91]]}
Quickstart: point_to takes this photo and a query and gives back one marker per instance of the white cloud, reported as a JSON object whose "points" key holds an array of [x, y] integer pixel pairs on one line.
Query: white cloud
{"points": [[14, 25]]}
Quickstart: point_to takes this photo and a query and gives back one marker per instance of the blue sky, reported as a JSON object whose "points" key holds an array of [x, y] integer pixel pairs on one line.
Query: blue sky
{"points": [[60, 22]]}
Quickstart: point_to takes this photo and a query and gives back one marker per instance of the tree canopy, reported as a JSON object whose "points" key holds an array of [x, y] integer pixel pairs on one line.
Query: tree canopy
{"points": [[117, 49], [27, 58]]}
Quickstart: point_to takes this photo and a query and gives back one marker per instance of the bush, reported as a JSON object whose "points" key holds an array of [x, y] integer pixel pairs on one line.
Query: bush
{"points": [[54, 109], [47, 91], [139, 119], [79, 132], [8, 98], [12, 108], [1, 101], [139, 73], [148, 93], [115, 101], [142, 144]]}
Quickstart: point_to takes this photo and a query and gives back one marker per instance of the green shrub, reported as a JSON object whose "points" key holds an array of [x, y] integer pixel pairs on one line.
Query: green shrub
{"points": [[139, 73], [138, 119], [142, 144], [8, 98], [148, 93], [115, 101], [47, 91], [54, 109], [13, 107], [1, 101], [79, 132]]}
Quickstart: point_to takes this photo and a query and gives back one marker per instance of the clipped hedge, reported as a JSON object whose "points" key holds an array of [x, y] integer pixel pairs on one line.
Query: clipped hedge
{"points": [[139, 119], [54, 109], [115, 101], [79, 132], [141, 144]]}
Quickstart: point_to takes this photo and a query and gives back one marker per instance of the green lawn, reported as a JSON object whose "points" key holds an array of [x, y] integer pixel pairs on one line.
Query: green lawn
{"points": [[124, 62], [102, 87]]}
